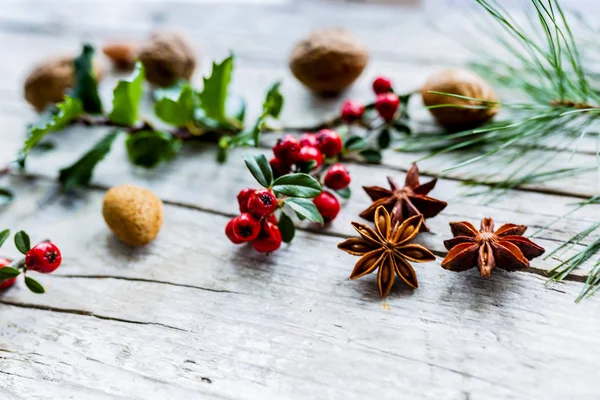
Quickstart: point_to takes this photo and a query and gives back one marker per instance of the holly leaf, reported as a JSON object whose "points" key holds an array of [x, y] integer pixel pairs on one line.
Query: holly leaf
{"points": [[297, 185], [86, 84], [64, 113], [8, 273], [80, 173], [171, 92], [261, 169], [344, 193], [305, 209], [5, 234], [6, 197], [22, 242], [34, 285], [286, 227], [273, 103], [150, 148], [127, 96], [213, 97], [180, 111]]}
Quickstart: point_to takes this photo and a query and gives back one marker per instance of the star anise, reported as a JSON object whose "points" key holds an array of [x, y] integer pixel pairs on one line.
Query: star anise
{"points": [[505, 248], [404, 202], [387, 247]]}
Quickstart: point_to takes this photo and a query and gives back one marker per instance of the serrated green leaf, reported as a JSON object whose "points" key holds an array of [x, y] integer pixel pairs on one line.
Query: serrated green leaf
{"points": [[372, 156], [22, 242], [384, 139], [355, 143], [305, 208], [172, 92], [297, 185], [273, 103], [5, 234], [80, 173], [34, 285], [86, 83], [6, 197], [178, 112], [286, 227], [344, 193], [214, 93], [8, 273], [66, 111], [261, 169], [127, 96], [150, 148]]}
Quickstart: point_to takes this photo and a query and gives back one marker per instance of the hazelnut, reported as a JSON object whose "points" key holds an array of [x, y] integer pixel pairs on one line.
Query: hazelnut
{"points": [[47, 82], [167, 57], [134, 214], [463, 83], [122, 55], [328, 60]]}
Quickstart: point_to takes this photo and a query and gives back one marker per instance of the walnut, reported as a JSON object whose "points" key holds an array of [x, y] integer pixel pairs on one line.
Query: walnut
{"points": [[48, 81], [463, 83], [122, 55], [328, 60], [167, 57]]}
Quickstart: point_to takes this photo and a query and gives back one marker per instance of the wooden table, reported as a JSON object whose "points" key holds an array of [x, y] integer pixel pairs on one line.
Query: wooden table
{"points": [[192, 316]]}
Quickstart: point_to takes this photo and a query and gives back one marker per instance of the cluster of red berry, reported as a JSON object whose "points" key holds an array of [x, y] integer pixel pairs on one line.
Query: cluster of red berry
{"points": [[386, 103], [44, 258]]}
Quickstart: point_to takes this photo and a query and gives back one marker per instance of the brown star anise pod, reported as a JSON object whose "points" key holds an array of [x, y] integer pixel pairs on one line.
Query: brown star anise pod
{"points": [[387, 247], [505, 248], [404, 202]]}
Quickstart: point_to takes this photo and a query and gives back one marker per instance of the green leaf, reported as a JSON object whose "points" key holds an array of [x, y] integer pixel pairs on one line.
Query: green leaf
{"points": [[66, 111], [261, 169], [5, 234], [6, 197], [214, 93], [80, 173], [305, 208], [287, 228], [150, 148], [372, 156], [127, 96], [8, 272], [86, 84], [22, 242], [177, 112], [297, 185], [34, 285], [274, 101], [355, 143], [344, 193], [384, 139], [171, 92], [402, 127]]}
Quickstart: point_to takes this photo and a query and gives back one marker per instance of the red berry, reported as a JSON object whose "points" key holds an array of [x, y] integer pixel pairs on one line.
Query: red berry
{"points": [[337, 177], [387, 105], [262, 203], [5, 284], [269, 239], [328, 206], [308, 154], [230, 234], [44, 258], [286, 149], [352, 111], [242, 198], [382, 84], [329, 142], [278, 167], [272, 219], [308, 139], [245, 227]]}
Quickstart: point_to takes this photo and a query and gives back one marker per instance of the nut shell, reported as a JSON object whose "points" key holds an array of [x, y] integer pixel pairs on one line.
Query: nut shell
{"points": [[328, 61], [167, 57], [463, 83], [122, 55], [134, 214], [47, 82]]}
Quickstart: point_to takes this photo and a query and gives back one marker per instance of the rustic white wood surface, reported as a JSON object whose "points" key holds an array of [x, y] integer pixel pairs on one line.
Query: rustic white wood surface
{"points": [[192, 316]]}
